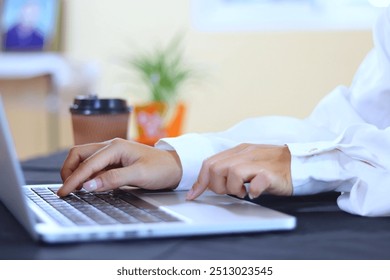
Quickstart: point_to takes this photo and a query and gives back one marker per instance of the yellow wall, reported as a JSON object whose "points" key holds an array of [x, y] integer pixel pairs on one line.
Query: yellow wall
{"points": [[247, 74]]}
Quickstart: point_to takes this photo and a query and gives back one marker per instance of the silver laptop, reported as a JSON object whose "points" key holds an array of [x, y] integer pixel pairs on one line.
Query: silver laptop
{"points": [[125, 213]]}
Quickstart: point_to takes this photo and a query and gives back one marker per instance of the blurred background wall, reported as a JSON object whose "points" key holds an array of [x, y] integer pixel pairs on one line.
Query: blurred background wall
{"points": [[246, 74]]}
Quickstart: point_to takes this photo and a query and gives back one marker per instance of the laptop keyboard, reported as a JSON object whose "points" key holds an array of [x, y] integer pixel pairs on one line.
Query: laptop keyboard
{"points": [[106, 208]]}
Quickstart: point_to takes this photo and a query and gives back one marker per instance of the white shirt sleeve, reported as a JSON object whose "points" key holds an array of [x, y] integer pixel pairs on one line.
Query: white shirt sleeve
{"points": [[193, 148], [357, 162], [343, 145]]}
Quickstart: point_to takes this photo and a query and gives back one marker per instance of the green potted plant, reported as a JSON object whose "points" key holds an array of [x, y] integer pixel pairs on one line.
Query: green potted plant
{"points": [[163, 71]]}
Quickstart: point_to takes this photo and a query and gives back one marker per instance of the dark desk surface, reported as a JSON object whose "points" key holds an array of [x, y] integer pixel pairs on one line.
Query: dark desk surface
{"points": [[323, 232]]}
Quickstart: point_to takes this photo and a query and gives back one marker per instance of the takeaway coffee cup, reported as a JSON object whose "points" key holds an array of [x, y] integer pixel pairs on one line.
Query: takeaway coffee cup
{"points": [[95, 120]]}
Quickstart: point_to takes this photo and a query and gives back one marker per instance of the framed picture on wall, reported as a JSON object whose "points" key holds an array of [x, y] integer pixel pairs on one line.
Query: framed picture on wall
{"points": [[30, 25]]}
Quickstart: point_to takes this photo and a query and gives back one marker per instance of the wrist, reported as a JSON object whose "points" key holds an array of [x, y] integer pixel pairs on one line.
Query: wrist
{"points": [[177, 169]]}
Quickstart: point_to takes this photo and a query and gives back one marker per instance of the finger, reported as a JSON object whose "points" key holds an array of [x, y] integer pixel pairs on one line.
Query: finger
{"points": [[195, 191], [106, 156], [237, 177], [108, 180], [77, 155], [211, 176], [202, 181], [228, 175], [260, 183], [214, 172], [217, 177], [111, 179]]}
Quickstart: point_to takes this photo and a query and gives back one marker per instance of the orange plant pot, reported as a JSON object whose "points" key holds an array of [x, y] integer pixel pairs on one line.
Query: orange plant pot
{"points": [[156, 120]]}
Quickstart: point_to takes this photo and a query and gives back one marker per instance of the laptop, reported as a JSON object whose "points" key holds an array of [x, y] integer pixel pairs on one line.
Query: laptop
{"points": [[126, 213]]}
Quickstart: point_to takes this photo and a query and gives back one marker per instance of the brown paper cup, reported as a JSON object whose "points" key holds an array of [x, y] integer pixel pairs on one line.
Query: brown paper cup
{"points": [[96, 120]]}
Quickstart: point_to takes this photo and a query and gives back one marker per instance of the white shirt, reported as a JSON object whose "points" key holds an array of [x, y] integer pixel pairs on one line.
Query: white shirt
{"points": [[344, 145]]}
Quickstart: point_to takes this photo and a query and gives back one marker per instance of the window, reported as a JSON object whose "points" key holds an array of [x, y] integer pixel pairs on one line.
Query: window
{"points": [[252, 15]]}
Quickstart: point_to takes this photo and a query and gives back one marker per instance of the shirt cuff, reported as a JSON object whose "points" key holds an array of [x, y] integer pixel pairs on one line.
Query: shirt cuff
{"points": [[192, 149], [318, 167]]}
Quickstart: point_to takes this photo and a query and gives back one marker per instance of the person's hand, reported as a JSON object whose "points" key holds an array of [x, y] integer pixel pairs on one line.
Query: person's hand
{"points": [[265, 167], [118, 162]]}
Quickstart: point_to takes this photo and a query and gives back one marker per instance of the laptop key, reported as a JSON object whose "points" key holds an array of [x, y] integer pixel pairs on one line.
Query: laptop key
{"points": [[129, 209], [84, 208], [145, 206], [58, 209]]}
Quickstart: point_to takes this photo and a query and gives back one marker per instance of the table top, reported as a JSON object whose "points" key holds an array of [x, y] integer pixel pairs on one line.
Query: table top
{"points": [[323, 232]]}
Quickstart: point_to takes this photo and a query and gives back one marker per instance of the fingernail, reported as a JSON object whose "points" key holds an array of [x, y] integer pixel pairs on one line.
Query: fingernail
{"points": [[91, 185], [250, 196], [190, 194]]}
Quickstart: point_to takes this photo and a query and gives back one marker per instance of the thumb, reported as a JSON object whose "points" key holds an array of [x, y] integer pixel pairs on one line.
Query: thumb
{"points": [[107, 180], [268, 182], [259, 184]]}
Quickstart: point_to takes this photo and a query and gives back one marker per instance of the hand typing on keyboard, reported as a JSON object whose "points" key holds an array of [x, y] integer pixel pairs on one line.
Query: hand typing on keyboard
{"points": [[115, 163]]}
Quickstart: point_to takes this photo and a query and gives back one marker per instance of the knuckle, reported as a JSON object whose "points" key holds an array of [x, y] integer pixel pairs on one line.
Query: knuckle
{"points": [[244, 146], [208, 167], [213, 167], [73, 151], [235, 171], [206, 164], [111, 178], [216, 169], [117, 141]]}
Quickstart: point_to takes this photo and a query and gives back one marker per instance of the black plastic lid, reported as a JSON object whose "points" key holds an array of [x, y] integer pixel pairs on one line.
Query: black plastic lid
{"points": [[92, 105]]}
